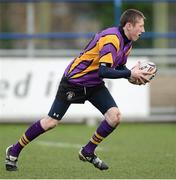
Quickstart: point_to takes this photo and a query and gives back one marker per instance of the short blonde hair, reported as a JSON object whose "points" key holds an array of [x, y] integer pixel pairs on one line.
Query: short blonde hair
{"points": [[130, 15]]}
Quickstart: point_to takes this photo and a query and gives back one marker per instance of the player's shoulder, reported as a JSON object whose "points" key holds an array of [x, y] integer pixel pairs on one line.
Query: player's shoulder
{"points": [[110, 31], [109, 35]]}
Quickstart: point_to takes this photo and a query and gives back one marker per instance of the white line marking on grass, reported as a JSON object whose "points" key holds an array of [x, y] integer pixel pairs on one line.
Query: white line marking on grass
{"points": [[63, 145]]}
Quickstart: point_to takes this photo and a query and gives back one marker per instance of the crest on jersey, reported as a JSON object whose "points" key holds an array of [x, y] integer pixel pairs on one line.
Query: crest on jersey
{"points": [[70, 95]]}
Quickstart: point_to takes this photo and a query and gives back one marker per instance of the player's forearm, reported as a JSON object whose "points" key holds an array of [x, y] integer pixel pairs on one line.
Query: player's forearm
{"points": [[107, 72]]}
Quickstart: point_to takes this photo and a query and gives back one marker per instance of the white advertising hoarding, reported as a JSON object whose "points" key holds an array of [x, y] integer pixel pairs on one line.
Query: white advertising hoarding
{"points": [[28, 87]]}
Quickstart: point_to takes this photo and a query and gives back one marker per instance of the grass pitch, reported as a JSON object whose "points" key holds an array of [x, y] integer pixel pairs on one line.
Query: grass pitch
{"points": [[134, 150]]}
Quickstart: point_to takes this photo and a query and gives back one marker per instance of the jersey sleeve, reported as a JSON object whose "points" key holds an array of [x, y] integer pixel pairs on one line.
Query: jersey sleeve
{"points": [[108, 47]]}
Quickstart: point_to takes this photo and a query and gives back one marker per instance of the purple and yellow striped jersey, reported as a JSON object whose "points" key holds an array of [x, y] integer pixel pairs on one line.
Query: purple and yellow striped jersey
{"points": [[107, 46]]}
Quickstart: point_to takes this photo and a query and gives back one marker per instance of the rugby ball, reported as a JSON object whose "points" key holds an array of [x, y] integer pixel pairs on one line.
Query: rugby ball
{"points": [[147, 67]]}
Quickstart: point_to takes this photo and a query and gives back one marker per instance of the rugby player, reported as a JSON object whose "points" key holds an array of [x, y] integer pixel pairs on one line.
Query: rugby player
{"points": [[105, 56]]}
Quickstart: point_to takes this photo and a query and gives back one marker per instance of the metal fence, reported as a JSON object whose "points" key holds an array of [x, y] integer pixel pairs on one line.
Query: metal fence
{"points": [[74, 35]]}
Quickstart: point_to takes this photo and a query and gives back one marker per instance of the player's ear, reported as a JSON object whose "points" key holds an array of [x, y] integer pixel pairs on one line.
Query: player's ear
{"points": [[128, 25]]}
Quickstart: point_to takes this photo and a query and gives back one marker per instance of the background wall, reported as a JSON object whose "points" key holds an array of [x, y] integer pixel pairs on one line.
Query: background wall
{"points": [[50, 31]]}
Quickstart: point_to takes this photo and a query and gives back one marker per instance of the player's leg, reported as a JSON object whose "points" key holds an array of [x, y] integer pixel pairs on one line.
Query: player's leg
{"points": [[56, 113], [104, 102]]}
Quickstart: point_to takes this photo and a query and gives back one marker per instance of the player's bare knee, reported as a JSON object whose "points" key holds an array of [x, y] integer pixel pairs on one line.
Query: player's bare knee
{"points": [[113, 116], [48, 123], [118, 118]]}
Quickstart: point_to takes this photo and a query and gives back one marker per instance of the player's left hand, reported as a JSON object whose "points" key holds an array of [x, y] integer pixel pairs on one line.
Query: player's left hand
{"points": [[138, 75]]}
